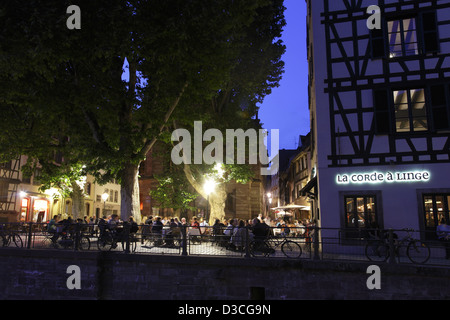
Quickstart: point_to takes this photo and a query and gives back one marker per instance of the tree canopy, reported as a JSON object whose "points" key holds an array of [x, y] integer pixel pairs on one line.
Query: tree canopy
{"points": [[104, 94]]}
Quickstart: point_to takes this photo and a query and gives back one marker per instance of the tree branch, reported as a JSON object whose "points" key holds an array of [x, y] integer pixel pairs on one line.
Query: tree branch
{"points": [[190, 176], [150, 143], [95, 128]]}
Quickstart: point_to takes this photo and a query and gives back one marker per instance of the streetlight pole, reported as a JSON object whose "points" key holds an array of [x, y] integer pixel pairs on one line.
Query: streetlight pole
{"points": [[208, 187], [105, 197], [269, 198]]}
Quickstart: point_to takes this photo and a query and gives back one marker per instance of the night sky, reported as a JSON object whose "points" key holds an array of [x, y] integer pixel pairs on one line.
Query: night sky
{"points": [[286, 108]]}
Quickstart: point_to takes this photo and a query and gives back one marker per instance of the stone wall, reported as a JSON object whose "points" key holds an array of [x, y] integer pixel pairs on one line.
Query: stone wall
{"points": [[32, 274]]}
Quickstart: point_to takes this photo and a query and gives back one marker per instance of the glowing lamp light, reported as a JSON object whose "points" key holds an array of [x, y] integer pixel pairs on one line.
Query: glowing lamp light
{"points": [[105, 197], [209, 186]]}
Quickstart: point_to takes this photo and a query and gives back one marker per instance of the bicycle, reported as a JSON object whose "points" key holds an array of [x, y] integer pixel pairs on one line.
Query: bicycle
{"points": [[266, 247], [156, 240], [378, 249], [66, 240], [8, 237], [109, 240]]}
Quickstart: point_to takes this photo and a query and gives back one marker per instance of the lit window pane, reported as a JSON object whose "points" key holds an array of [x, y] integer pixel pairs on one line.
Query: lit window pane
{"points": [[402, 38], [420, 124], [410, 110]]}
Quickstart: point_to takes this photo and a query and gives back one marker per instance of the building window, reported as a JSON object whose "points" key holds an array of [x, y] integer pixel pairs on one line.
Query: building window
{"points": [[360, 211], [410, 110], [406, 36], [436, 207], [4, 186], [430, 32], [440, 107], [402, 38], [116, 196], [6, 165], [88, 188], [26, 179], [37, 176]]}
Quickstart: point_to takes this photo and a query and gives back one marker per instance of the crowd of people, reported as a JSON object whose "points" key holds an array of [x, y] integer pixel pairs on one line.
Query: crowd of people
{"points": [[231, 233]]}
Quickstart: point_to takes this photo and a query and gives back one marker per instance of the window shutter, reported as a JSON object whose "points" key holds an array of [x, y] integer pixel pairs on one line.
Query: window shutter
{"points": [[377, 43], [439, 107], [430, 32], [381, 111]]}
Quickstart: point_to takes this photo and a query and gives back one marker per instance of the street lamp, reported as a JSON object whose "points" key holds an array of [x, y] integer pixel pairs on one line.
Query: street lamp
{"points": [[209, 187], [269, 198], [105, 197]]}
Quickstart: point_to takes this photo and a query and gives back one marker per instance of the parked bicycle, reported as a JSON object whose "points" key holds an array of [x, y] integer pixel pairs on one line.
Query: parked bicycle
{"points": [[109, 239], [66, 240], [155, 240], [417, 251], [8, 237], [266, 247]]}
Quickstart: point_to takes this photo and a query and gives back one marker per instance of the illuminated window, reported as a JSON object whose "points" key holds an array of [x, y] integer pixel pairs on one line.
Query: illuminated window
{"points": [[402, 38], [360, 211], [436, 207], [406, 36], [410, 110]]}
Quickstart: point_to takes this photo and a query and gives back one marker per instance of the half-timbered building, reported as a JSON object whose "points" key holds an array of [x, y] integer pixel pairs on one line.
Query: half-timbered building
{"points": [[380, 112]]}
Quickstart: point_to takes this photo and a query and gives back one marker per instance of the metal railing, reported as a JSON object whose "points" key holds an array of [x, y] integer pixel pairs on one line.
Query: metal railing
{"points": [[400, 246]]}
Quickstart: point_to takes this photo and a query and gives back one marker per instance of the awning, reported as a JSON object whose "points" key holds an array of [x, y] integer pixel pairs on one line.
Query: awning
{"points": [[311, 184], [293, 206]]}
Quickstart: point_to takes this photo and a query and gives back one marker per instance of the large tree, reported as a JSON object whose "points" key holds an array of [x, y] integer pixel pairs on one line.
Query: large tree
{"points": [[257, 71], [175, 54]]}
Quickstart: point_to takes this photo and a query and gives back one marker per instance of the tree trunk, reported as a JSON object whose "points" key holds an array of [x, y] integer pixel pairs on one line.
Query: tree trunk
{"points": [[129, 192], [77, 201], [217, 201]]}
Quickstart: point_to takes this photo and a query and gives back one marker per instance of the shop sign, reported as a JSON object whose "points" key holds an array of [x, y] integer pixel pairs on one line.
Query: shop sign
{"points": [[381, 177]]}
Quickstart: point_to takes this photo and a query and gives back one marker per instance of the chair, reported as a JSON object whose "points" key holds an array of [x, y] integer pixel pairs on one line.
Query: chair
{"points": [[194, 235]]}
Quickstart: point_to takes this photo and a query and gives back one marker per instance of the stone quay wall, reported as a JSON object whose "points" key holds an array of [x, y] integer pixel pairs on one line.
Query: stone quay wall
{"points": [[42, 275]]}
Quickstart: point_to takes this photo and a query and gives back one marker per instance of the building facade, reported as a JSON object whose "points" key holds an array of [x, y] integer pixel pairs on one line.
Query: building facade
{"points": [[380, 112], [21, 199]]}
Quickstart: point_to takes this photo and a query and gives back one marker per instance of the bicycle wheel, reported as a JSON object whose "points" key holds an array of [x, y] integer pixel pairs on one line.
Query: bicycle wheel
{"points": [[260, 249], [84, 244], [47, 243], [105, 242], [418, 251], [377, 251], [291, 249], [17, 240]]}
